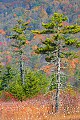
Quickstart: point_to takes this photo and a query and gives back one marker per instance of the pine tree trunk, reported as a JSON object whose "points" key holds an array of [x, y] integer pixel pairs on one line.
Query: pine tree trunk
{"points": [[21, 70], [58, 84]]}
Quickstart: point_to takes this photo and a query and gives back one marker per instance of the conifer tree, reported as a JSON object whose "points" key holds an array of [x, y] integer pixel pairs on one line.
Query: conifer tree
{"points": [[6, 77], [19, 37], [53, 47]]}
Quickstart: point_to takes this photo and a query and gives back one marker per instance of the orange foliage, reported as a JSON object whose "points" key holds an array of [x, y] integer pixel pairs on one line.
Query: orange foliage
{"points": [[73, 63], [33, 53], [16, 49], [6, 96], [27, 42], [36, 8], [9, 58], [14, 15], [34, 47], [78, 54], [47, 68], [7, 52], [79, 16], [39, 36], [2, 32]]}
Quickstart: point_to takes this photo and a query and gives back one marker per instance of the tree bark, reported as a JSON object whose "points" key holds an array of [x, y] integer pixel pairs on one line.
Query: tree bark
{"points": [[58, 84], [21, 70]]}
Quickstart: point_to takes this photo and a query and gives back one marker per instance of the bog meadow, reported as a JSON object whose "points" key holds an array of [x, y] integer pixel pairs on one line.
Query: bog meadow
{"points": [[40, 60]]}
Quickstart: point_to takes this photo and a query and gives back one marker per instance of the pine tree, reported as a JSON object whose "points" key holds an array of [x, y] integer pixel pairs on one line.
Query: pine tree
{"points": [[19, 37], [6, 76], [36, 83], [53, 47]]}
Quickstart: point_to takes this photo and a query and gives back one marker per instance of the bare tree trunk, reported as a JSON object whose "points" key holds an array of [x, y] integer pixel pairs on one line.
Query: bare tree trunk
{"points": [[58, 84]]}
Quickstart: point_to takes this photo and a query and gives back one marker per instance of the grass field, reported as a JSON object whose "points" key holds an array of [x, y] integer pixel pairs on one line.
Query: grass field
{"points": [[13, 112], [38, 108], [64, 117]]}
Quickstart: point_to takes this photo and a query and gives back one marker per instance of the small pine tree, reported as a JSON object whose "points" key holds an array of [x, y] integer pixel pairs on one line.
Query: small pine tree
{"points": [[36, 82], [6, 77]]}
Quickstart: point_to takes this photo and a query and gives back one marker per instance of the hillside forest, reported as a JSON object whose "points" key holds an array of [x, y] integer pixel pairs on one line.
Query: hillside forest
{"points": [[39, 59]]}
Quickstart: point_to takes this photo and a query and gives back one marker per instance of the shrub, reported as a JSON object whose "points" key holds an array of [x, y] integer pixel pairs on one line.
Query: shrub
{"points": [[69, 100], [17, 90], [35, 83], [6, 96]]}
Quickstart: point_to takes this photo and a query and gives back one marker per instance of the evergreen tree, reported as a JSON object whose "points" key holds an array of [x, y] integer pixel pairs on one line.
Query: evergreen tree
{"points": [[53, 47], [36, 83], [6, 76], [19, 38]]}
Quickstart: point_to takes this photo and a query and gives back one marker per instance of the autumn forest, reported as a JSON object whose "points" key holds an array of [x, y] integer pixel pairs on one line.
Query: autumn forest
{"points": [[39, 60]]}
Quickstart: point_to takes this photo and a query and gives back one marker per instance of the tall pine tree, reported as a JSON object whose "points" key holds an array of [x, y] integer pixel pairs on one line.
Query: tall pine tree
{"points": [[19, 37], [53, 47]]}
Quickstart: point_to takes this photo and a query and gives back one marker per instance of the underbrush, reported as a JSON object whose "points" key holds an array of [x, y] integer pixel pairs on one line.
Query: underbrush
{"points": [[40, 108]]}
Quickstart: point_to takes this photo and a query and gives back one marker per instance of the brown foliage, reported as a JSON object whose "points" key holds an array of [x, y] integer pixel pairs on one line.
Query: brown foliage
{"points": [[40, 107]]}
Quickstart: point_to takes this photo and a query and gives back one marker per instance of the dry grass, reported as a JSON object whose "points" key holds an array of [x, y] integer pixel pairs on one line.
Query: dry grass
{"points": [[64, 117], [33, 113], [38, 108]]}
